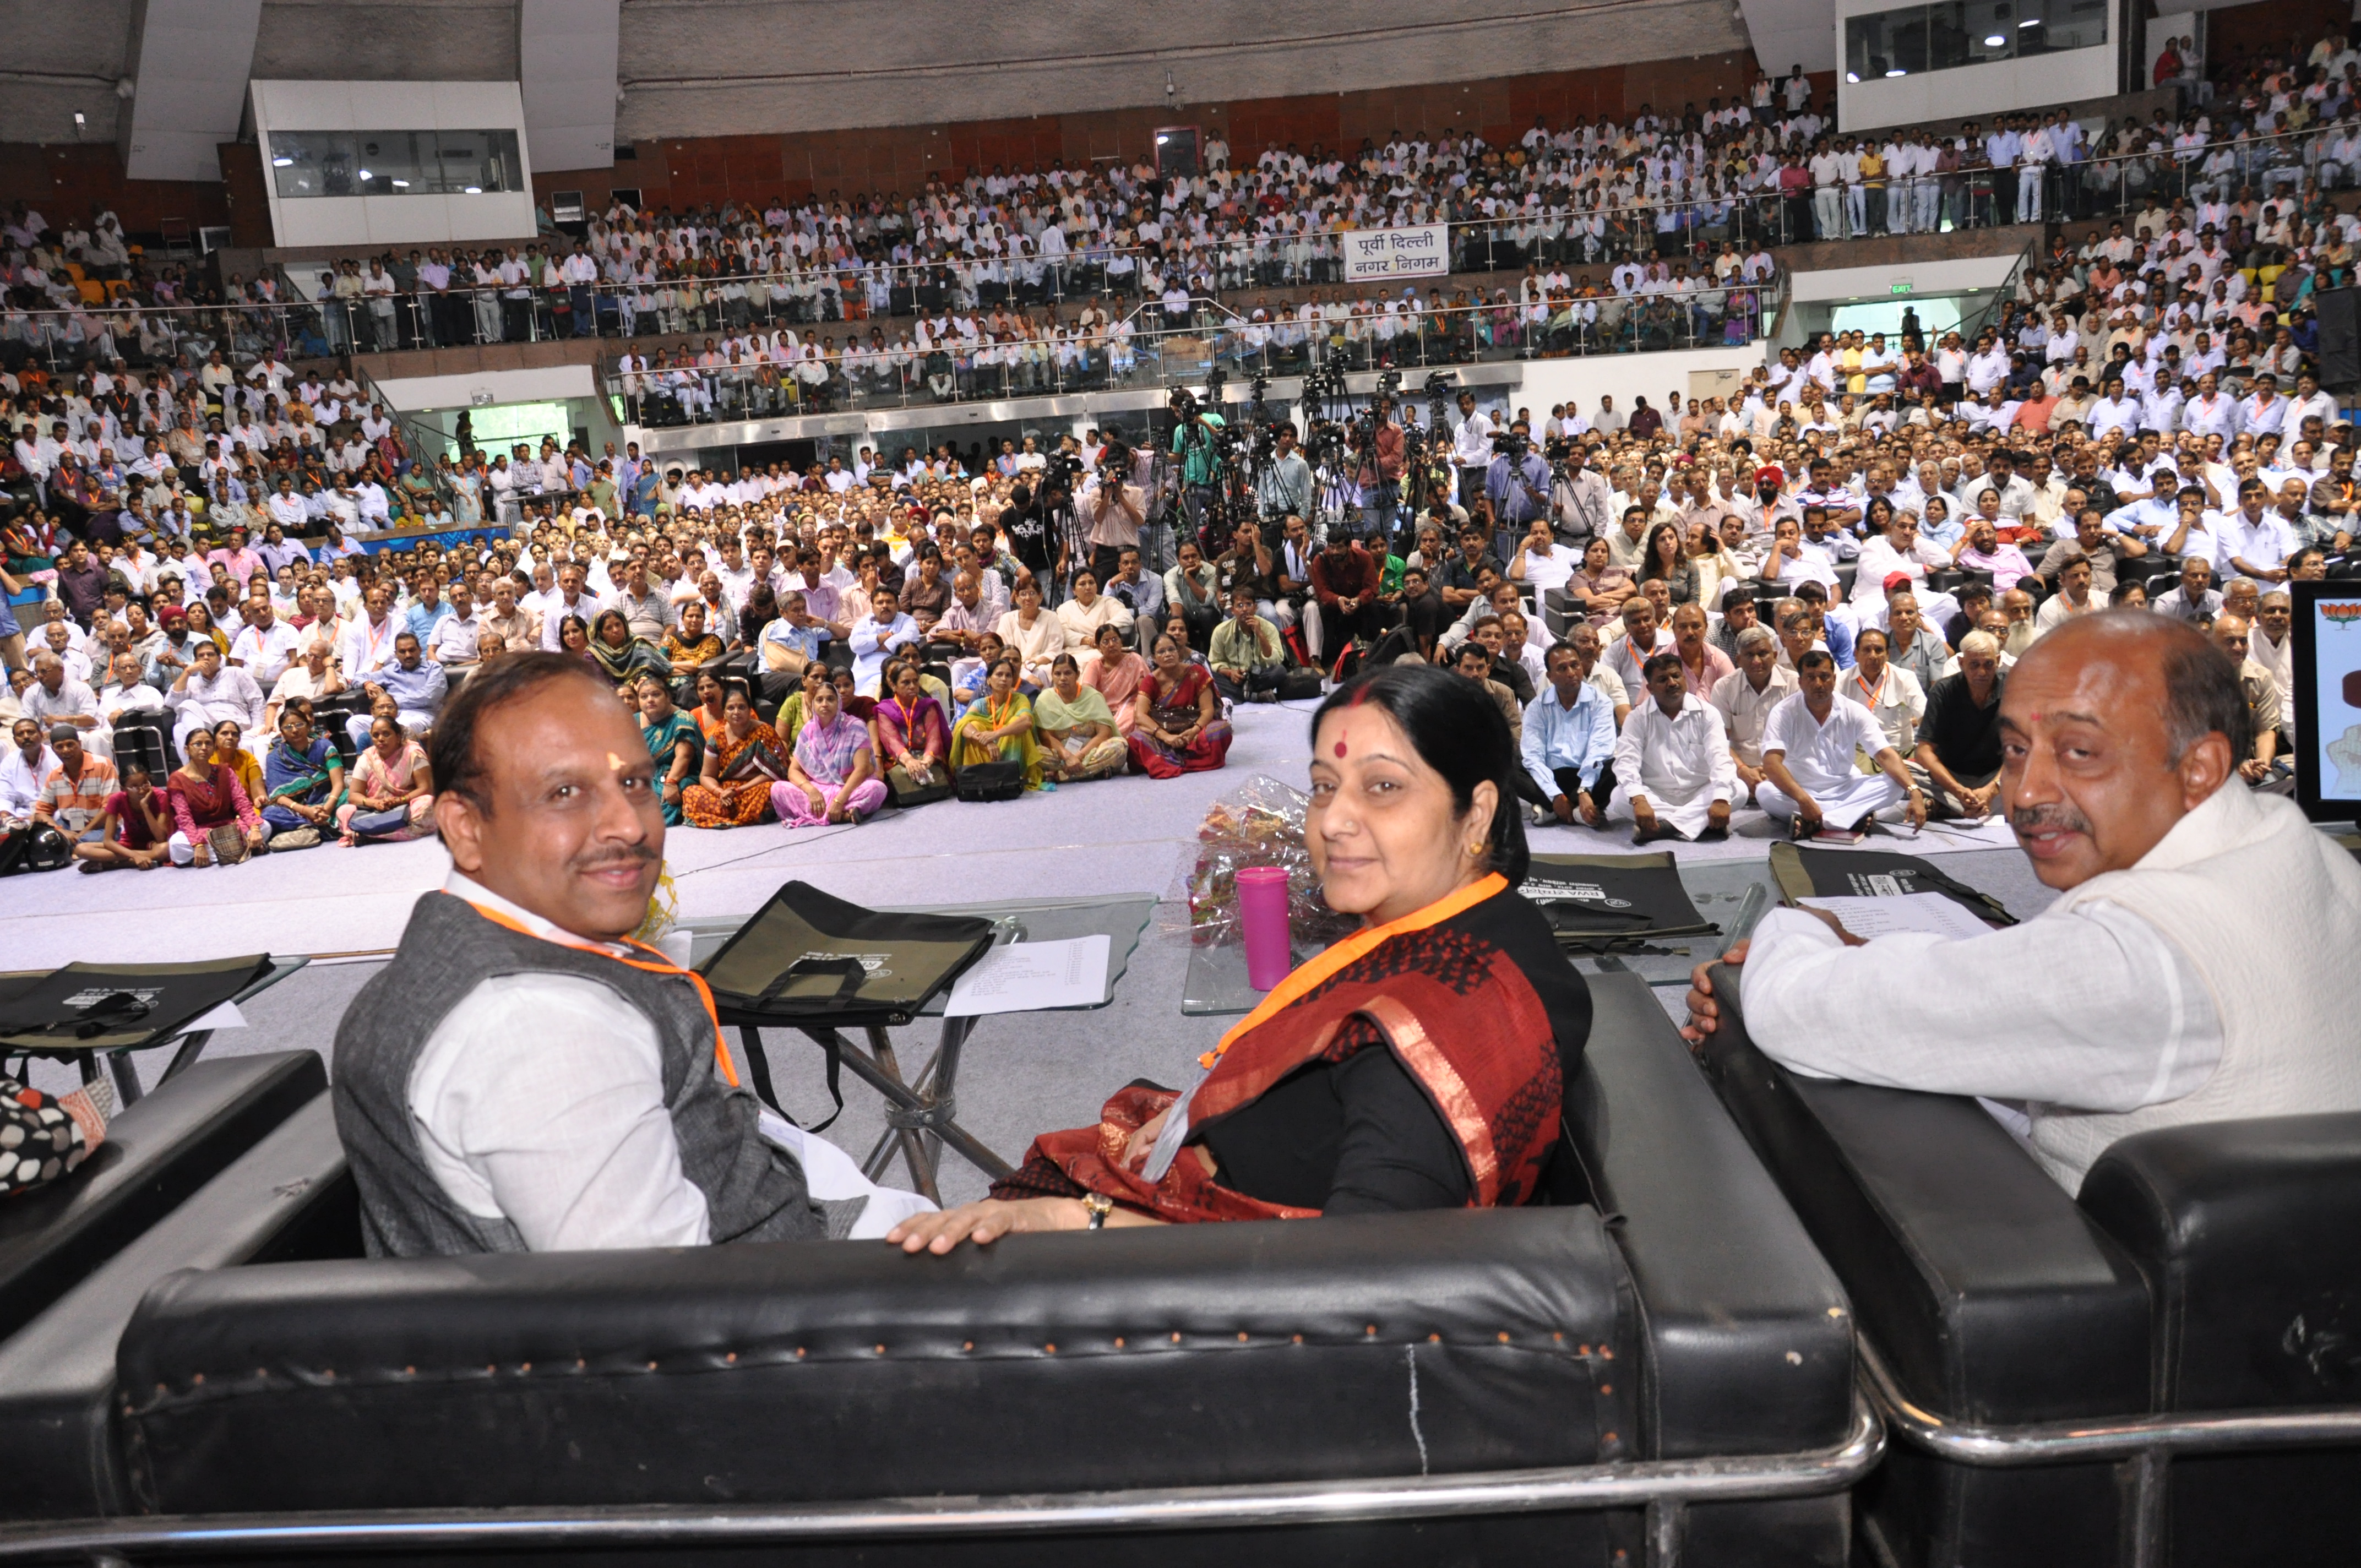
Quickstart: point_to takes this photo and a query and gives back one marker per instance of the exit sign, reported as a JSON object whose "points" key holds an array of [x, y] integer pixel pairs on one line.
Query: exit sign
{"points": [[1899, 285]]}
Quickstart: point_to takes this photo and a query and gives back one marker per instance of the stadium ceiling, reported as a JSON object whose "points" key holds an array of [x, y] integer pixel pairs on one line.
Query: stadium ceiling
{"points": [[165, 79]]}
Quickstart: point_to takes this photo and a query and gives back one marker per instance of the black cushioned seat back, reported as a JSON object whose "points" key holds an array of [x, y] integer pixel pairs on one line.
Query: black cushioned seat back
{"points": [[289, 1196], [1376, 1345], [1750, 1336], [1993, 1299], [2250, 1235], [156, 1153]]}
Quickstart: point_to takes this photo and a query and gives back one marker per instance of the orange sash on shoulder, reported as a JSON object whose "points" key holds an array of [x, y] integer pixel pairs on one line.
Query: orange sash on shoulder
{"points": [[1454, 1010]]}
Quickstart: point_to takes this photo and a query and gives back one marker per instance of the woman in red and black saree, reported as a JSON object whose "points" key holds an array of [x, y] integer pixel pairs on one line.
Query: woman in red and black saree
{"points": [[1421, 1063]]}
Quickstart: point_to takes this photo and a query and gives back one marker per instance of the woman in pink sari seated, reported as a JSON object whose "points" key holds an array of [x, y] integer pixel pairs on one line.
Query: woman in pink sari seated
{"points": [[913, 736], [1115, 675], [832, 777]]}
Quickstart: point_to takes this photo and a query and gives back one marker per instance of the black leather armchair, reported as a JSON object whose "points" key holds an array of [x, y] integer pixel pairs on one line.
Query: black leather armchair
{"points": [[1670, 1368], [288, 1196], [2164, 1369], [156, 1153]]}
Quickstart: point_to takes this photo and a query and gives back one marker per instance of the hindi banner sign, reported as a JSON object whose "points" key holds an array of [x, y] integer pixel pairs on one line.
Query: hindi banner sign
{"points": [[1373, 256]]}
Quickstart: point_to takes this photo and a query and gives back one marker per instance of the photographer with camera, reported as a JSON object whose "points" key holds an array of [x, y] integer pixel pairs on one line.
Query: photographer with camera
{"points": [[1285, 484], [1293, 557], [1032, 539], [1471, 448], [1113, 510], [1582, 504], [1517, 485], [1381, 468], [1195, 429]]}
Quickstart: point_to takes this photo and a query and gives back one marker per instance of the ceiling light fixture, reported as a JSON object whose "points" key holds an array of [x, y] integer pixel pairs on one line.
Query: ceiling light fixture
{"points": [[1897, 70], [281, 162], [1997, 40]]}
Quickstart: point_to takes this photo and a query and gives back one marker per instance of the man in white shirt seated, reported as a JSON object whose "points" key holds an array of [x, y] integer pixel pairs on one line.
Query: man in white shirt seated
{"points": [[1809, 781], [25, 770], [1672, 771], [521, 1077], [209, 691], [265, 645], [57, 697], [1747, 697], [456, 642], [2165, 987]]}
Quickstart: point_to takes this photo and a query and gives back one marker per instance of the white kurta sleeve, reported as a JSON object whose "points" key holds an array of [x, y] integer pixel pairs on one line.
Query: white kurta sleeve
{"points": [[1724, 766], [1630, 755], [2099, 1011]]}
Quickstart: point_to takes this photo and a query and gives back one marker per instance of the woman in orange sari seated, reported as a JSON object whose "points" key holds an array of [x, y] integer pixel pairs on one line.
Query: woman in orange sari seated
{"points": [[1419, 1063]]}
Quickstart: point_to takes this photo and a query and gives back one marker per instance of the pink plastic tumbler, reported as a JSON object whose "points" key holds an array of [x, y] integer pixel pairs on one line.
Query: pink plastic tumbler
{"points": [[1262, 920]]}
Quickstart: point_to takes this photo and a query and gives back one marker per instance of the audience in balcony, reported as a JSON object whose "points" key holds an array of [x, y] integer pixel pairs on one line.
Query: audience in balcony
{"points": [[2144, 395]]}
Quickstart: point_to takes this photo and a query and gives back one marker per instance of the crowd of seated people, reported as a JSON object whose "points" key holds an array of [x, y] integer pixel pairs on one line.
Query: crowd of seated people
{"points": [[1650, 233], [1768, 167], [2139, 424], [791, 653], [162, 442]]}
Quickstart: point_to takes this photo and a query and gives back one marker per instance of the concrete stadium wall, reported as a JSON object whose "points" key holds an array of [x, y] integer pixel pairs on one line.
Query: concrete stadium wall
{"points": [[693, 68], [685, 172]]}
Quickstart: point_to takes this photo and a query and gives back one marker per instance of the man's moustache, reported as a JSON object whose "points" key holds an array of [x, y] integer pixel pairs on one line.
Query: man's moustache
{"points": [[2029, 818], [607, 859]]}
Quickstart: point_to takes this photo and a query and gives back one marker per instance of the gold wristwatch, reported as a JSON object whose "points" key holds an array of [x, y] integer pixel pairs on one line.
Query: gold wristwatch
{"points": [[1100, 1206]]}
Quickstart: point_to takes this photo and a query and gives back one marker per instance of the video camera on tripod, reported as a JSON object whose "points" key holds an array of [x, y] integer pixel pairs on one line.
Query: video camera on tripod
{"points": [[1262, 427]]}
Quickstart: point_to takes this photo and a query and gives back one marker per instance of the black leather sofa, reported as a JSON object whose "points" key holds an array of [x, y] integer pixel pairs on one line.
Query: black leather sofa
{"points": [[1665, 1373], [2163, 1368], [156, 1153]]}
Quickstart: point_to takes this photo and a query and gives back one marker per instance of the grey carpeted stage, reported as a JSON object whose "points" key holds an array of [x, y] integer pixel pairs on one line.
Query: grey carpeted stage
{"points": [[1022, 1073]]}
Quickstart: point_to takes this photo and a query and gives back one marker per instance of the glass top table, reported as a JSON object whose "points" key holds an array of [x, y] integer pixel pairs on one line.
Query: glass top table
{"points": [[921, 1113]]}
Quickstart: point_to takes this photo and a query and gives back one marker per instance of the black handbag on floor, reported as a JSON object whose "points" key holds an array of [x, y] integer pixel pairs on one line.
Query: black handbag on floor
{"points": [[991, 781], [905, 793], [1298, 683]]}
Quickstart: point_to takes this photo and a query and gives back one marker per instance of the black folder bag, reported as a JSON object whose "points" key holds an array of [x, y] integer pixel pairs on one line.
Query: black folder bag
{"points": [[1597, 903], [103, 1007], [809, 959], [1802, 872]]}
